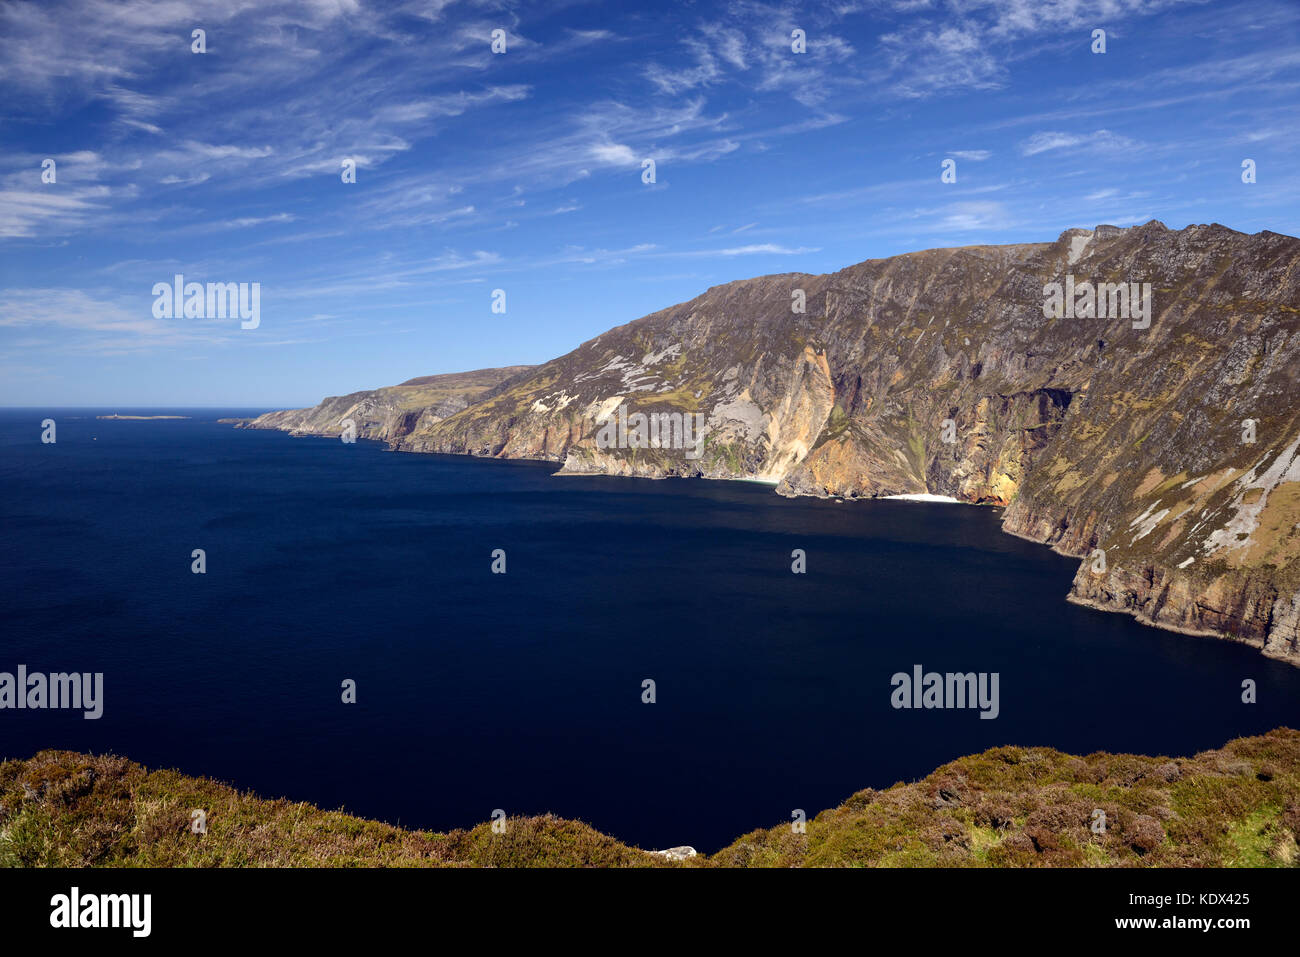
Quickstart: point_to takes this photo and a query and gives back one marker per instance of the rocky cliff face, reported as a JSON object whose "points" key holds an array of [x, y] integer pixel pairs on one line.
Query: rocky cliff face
{"points": [[389, 413], [1161, 447]]}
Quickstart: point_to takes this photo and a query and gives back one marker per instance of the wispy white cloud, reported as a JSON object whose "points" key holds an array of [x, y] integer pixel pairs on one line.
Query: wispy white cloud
{"points": [[1099, 140], [614, 154], [105, 324], [955, 45], [30, 212], [755, 249]]}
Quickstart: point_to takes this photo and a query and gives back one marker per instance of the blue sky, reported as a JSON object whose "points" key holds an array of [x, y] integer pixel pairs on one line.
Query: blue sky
{"points": [[523, 171]]}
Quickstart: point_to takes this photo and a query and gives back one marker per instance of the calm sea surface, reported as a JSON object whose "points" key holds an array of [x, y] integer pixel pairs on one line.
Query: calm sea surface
{"points": [[523, 691]]}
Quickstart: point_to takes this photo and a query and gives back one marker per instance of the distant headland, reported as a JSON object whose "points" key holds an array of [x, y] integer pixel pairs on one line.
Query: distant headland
{"points": [[142, 416]]}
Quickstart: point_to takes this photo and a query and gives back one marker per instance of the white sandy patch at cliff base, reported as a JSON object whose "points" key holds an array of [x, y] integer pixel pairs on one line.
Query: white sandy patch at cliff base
{"points": [[923, 497]]}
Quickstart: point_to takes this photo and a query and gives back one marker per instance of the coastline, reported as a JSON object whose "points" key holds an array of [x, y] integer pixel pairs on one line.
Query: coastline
{"points": [[916, 497]]}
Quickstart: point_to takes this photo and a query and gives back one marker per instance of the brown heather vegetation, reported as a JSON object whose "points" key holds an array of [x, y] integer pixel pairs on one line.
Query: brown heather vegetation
{"points": [[1238, 806]]}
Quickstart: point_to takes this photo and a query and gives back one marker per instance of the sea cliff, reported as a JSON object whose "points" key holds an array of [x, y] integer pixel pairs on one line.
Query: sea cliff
{"points": [[1160, 450]]}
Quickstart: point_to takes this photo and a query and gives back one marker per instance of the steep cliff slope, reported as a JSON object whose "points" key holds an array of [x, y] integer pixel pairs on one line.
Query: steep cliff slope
{"points": [[1160, 446], [389, 413]]}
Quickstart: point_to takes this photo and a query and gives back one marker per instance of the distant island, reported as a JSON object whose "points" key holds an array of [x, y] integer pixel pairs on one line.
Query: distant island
{"points": [[142, 417]]}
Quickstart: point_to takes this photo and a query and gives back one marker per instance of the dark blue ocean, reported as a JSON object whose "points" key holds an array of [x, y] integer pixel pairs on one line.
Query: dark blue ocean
{"points": [[523, 691]]}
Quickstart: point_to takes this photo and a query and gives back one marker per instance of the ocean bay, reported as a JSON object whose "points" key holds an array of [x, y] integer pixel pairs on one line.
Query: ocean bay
{"points": [[329, 562]]}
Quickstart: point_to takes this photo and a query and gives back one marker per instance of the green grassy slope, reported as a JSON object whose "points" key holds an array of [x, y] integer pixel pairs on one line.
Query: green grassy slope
{"points": [[1236, 806]]}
